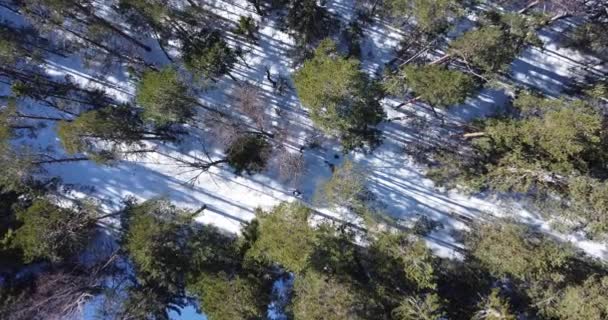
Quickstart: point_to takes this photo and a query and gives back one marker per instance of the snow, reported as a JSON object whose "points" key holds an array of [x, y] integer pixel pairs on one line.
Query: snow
{"points": [[399, 184]]}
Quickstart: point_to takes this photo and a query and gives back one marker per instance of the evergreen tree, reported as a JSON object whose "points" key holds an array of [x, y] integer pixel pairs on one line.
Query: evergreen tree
{"points": [[342, 101], [494, 307], [208, 55], [487, 48], [317, 296], [539, 151], [590, 37], [345, 189], [431, 16], [156, 241], [438, 86], [225, 297], [310, 21], [249, 153], [532, 256], [112, 125], [164, 97], [404, 259], [47, 231], [585, 301], [428, 307], [284, 236]]}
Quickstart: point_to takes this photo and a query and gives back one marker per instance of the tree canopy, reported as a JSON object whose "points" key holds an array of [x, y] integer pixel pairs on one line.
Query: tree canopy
{"points": [[164, 97], [343, 102]]}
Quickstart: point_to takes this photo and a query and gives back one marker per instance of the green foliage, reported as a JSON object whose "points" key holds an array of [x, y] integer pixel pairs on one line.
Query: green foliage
{"points": [[6, 132], [225, 298], [590, 37], [166, 251], [284, 237], [494, 307], [164, 97], [345, 188], [11, 257], [249, 153], [431, 16], [404, 256], [437, 85], [111, 124], [154, 240], [417, 308], [585, 301], [598, 92], [487, 48], [208, 55], [494, 45], [310, 21], [246, 27], [47, 231], [336, 251], [9, 52], [319, 297], [589, 203], [342, 101], [147, 302], [532, 256], [564, 139]]}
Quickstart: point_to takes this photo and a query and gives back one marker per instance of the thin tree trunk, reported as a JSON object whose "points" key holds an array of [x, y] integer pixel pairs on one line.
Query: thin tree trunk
{"points": [[62, 160], [407, 102], [268, 76], [442, 59], [25, 116], [473, 135], [529, 6]]}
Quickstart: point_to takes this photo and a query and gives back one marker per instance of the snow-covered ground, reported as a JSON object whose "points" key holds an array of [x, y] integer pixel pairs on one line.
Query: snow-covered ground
{"points": [[397, 181]]}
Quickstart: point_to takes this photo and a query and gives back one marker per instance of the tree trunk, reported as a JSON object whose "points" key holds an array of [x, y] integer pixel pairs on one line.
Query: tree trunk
{"points": [[442, 59], [62, 160], [268, 76], [407, 102], [529, 6], [473, 135], [25, 116]]}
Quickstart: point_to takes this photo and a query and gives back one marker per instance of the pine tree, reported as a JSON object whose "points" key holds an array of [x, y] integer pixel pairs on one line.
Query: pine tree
{"points": [[317, 296], [47, 231], [342, 101], [532, 256], [249, 153], [223, 296], [405, 259], [428, 307], [438, 86], [345, 188], [114, 126], [494, 307], [584, 301], [431, 16], [164, 97], [208, 55], [284, 236], [309, 21]]}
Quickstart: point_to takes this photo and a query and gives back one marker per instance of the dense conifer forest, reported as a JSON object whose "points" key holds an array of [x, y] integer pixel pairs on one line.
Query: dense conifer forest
{"points": [[304, 159]]}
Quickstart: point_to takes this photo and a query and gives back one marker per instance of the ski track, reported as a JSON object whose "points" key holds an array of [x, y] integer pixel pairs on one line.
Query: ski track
{"points": [[396, 180]]}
